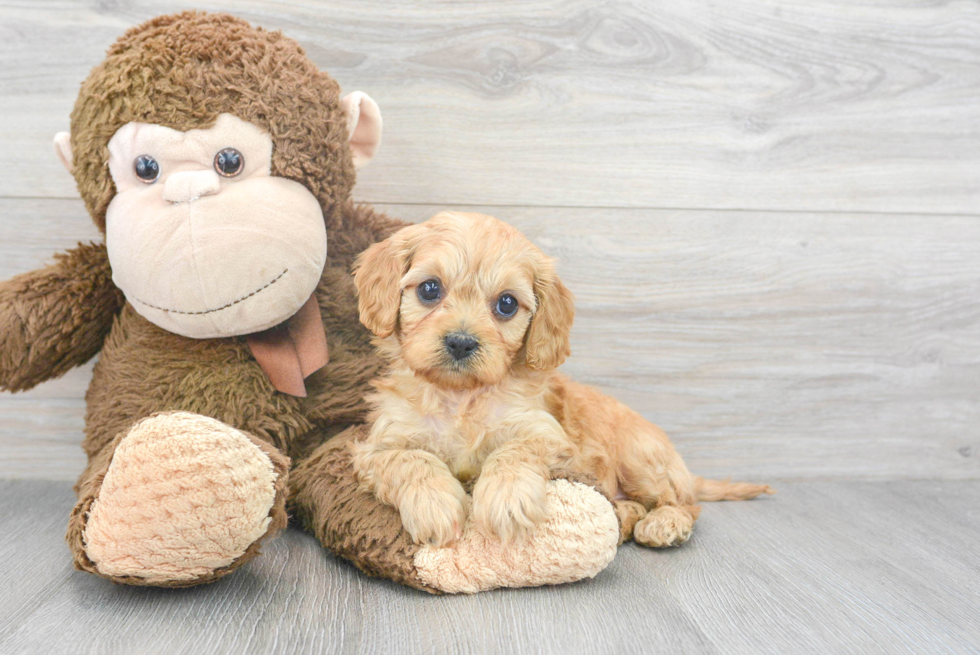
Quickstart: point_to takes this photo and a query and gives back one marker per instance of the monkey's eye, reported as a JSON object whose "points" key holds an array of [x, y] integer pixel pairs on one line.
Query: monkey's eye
{"points": [[229, 162], [147, 169], [506, 306], [429, 291]]}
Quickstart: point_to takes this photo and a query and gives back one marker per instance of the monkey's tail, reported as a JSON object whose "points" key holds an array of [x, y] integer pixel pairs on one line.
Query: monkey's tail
{"points": [[725, 490]]}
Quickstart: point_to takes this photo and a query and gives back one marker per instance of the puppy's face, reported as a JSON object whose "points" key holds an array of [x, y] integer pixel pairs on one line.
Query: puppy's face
{"points": [[465, 298]]}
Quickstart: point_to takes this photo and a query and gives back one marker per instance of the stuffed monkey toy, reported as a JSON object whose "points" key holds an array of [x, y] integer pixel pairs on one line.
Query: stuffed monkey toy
{"points": [[218, 162]]}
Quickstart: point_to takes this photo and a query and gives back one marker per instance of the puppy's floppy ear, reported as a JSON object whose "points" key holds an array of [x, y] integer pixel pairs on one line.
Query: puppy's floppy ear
{"points": [[547, 343], [377, 273]]}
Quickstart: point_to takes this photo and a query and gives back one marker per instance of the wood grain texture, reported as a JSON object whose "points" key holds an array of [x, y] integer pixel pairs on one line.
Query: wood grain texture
{"points": [[768, 345], [788, 104], [820, 567]]}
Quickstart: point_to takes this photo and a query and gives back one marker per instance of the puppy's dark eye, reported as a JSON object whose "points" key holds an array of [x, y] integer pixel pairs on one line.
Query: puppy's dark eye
{"points": [[506, 306], [229, 162], [146, 168], [429, 291]]}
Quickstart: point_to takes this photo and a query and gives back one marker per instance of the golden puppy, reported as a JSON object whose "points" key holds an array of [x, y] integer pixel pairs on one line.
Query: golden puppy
{"points": [[474, 321]]}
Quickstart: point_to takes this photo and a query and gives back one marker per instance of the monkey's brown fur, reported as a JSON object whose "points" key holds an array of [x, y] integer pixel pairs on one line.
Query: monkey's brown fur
{"points": [[55, 319], [181, 71]]}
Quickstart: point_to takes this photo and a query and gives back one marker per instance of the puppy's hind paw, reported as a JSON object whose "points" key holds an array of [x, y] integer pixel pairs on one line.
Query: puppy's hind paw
{"points": [[666, 526]]}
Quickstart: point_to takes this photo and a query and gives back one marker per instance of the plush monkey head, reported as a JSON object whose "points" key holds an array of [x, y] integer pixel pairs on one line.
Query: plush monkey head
{"points": [[215, 156]]}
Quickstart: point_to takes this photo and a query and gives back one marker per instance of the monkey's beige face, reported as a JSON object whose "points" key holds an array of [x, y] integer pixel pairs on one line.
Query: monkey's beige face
{"points": [[202, 239], [466, 301]]}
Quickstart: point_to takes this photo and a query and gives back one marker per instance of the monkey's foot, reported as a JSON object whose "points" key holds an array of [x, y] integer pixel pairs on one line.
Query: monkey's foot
{"points": [[185, 500], [576, 541]]}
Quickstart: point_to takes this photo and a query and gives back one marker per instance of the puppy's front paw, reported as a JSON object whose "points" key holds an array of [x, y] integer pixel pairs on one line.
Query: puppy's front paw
{"points": [[434, 514], [509, 506]]}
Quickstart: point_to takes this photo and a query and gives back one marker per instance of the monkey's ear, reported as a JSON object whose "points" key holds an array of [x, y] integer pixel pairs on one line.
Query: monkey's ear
{"points": [[363, 126], [62, 148]]}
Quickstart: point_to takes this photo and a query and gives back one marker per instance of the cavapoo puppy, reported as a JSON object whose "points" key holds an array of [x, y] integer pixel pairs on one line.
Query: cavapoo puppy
{"points": [[474, 321]]}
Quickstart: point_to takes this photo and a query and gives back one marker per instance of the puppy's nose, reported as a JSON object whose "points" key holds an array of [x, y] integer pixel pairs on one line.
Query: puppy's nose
{"points": [[187, 186], [461, 346]]}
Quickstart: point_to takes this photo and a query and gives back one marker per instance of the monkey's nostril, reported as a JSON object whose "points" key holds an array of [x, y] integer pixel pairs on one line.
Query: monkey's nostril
{"points": [[461, 346]]}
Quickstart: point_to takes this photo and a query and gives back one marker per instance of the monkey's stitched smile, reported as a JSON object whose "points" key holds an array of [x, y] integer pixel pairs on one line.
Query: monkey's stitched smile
{"points": [[217, 309]]}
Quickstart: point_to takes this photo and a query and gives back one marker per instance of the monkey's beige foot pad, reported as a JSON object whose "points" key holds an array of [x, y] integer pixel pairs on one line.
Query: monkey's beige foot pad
{"points": [[577, 541], [184, 495]]}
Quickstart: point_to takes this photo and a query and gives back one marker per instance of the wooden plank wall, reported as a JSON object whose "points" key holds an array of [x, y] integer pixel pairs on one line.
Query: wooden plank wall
{"points": [[769, 211]]}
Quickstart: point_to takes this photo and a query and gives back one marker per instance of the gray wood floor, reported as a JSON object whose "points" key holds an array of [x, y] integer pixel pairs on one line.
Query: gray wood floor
{"points": [[770, 215], [819, 567]]}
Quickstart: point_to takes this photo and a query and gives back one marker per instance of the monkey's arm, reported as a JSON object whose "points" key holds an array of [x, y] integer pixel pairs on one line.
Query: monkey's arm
{"points": [[359, 227], [55, 318]]}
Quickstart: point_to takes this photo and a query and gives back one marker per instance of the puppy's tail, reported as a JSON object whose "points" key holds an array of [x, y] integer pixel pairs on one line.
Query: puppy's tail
{"points": [[725, 490]]}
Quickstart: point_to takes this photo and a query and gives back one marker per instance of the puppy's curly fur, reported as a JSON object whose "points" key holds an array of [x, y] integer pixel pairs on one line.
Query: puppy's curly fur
{"points": [[474, 321]]}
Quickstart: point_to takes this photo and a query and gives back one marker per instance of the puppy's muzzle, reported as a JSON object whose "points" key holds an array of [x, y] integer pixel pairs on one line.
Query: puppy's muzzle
{"points": [[461, 346]]}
